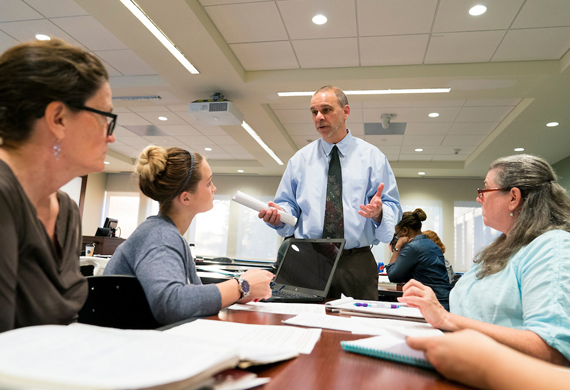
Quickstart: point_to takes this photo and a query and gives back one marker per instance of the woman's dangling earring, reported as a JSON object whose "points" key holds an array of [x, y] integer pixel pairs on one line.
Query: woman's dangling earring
{"points": [[57, 149]]}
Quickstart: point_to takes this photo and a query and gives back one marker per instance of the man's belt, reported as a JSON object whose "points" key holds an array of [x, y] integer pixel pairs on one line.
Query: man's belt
{"points": [[354, 251]]}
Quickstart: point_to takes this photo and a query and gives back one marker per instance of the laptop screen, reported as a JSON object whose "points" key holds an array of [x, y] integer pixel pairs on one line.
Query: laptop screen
{"points": [[309, 263]]}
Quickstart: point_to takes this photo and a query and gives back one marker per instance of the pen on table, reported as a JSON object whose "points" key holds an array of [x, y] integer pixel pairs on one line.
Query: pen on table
{"points": [[386, 305]]}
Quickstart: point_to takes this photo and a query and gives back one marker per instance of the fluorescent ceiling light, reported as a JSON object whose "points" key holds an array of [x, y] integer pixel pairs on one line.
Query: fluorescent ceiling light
{"points": [[162, 118], [421, 173], [519, 149], [433, 115], [240, 170], [149, 97], [419, 150], [107, 162], [208, 149], [42, 37], [552, 124], [157, 32], [260, 142], [372, 92], [319, 19], [477, 10]]}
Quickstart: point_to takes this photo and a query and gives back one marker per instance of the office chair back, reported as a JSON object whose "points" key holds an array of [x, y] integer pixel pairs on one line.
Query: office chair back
{"points": [[117, 301]]}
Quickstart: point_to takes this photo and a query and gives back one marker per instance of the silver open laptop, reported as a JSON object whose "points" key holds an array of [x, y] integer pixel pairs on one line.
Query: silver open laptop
{"points": [[307, 269]]}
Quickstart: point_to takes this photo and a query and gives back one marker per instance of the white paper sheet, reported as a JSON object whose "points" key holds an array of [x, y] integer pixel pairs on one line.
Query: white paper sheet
{"points": [[347, 306], [258, 205], [250, 339], [281, 308], [84, 356]]}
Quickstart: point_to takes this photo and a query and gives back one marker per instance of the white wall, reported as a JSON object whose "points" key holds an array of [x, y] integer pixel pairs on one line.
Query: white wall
{"points": [[93, 207]]}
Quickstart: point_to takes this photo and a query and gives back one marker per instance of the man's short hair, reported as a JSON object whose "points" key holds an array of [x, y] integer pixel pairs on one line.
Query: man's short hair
{"points": [[340, 96]]}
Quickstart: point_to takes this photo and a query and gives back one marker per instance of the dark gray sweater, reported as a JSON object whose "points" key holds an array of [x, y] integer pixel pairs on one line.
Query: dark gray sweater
{"points": [[160, 258]]}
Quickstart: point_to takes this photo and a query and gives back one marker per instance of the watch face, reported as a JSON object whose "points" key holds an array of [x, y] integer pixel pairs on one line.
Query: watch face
{"points": [[245, 286]]}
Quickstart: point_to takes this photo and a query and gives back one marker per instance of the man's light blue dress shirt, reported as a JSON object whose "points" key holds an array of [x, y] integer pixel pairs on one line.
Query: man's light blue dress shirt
{"points": [[531, 293], [303, 188]]}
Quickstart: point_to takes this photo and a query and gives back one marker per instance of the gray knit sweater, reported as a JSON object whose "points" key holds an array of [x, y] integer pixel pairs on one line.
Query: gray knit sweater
{"points": [[160, 258]]}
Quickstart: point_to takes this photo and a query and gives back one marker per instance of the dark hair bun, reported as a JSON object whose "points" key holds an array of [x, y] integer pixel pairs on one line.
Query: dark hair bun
{"points": [[420, 214]]}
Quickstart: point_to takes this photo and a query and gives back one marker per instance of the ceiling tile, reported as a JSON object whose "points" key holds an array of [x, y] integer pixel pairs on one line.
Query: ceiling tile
{"points": [[417, 128], [439, 103], [13, 10], [249, 22], [483, 114], [265, 55], [529, 45], [415, 157], [223, 140], [234, 149], [492, 102], [373, 115], [57, 8], [393, 17], [152, 117], [177, 130], [220, 2], [452, 149], [467, 128], [388, 149], [6, 41], [187, 118], [384, 104], [26, 31], [463, 47], [543, 13], [297, 105], [243, 156], [220, 156], [136, 142], [164, 141], [210, 130], [90, 33], [411, 149], [327, 53], [453, 15], [294, 116], [126, 62], [463, 140], [178, 107], [421, 114], [393, 50], [418, 140], [300, 129], [157, 108], [125, 150], [301, 141], [384, 140], [120, 132], [392, 157], [112, 71], [131, 119], [118, 110], [297, 16], [450, 157]]}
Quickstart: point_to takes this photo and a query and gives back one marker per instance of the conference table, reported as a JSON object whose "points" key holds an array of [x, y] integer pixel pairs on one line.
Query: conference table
{"points": [[329, 367]]}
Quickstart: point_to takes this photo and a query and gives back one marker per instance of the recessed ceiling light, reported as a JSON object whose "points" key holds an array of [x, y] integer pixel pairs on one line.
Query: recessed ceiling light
{"points": [[42, 37], [477, 10], [421, 173], [552, 124], [208, 149], [319, 19], [162, 118], [107, 162], [433, 115], [419, 150], [258, 139], [372, 92], [519, 149], [240, 170], [152, 27]]}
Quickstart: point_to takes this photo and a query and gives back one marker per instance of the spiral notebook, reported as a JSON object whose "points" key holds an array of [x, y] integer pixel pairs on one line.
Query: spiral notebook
{"points": [[387, 347]]}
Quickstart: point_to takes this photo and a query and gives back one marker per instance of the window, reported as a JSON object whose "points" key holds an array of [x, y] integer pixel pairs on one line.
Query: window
{"points": [[123, 206], [471, 234], [255, 240], [433, 210], [73, 189], [210, 231]]}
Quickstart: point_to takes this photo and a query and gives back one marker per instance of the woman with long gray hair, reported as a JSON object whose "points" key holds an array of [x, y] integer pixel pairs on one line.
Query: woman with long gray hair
{"points": [[518, 291]]}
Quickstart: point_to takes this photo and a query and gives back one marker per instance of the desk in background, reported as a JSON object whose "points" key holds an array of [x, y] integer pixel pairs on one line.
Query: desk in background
{"points": [[329, 367], [103, 245]]}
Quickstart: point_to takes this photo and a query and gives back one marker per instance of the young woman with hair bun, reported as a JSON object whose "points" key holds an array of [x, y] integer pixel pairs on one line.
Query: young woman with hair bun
{"points": [[414, 256], [158, 255]]}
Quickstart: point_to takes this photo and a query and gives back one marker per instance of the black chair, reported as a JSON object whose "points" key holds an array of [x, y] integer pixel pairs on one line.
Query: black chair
{"points": [[117, 301]]}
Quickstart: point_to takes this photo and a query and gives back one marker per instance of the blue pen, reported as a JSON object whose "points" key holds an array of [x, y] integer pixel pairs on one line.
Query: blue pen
{"points": [[386, 305]]}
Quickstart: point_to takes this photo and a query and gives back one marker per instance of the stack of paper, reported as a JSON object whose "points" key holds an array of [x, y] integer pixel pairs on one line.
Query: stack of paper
{"points": [[377, 309]]}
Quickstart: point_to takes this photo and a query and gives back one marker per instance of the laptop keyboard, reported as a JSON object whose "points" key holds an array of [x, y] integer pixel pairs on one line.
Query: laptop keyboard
{"points": [[288, 294]]}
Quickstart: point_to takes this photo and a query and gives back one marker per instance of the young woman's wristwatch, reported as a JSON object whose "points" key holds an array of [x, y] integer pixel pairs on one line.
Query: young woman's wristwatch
{"points": [[243, 286]]}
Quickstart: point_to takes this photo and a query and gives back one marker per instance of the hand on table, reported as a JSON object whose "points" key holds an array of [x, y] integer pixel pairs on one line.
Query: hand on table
{"points": [[258, 284], [418, 295]]}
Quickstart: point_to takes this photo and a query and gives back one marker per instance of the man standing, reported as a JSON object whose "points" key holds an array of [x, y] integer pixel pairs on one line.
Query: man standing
{"points": [[339, 187]]}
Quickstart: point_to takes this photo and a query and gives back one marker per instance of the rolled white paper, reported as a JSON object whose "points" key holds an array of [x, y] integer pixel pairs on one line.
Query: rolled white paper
{"points": [[258, 205]]}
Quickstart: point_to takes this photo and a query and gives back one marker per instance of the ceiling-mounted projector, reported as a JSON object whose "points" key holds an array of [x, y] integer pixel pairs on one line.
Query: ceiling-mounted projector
{"points": [[216, 111]]}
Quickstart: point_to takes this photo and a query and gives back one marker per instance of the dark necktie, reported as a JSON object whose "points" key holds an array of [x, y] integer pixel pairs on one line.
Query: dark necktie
{"points": [[334, 220]]}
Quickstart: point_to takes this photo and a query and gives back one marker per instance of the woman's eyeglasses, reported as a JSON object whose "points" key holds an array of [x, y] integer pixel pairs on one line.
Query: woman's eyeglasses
{"points": [[481, 192], [111, 118]]}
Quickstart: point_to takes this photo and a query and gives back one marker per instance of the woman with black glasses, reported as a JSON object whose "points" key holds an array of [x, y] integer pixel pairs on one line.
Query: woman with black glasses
{"points": [[55, 124], [518, 290]]}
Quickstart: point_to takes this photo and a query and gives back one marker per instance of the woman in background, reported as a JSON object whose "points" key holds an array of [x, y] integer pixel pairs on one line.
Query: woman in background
{"points": [[158, 255], [437, 241], [518, 290], [55, 123], [414, 256]]}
